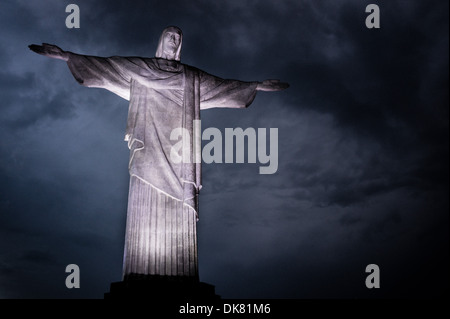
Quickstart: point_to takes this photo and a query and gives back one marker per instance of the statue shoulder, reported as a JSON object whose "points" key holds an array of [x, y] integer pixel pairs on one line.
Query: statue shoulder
{"points": [[193, 70]]}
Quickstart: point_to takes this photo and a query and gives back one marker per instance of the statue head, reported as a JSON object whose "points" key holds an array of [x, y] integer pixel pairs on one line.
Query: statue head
{"points": [[169, 46]]}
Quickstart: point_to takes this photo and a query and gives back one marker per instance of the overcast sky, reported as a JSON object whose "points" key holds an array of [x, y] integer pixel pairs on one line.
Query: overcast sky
{"points": [[363, 147]]}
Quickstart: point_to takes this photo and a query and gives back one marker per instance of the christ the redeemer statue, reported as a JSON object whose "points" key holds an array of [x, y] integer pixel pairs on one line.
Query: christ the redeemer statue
{"points": [[164, 94]]}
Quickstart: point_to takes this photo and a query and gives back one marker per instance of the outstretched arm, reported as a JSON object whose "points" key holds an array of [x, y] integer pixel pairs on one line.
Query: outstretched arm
{"points": [[112, 73], [217, 92], [90, 71], [271, 85], [50, 50]]}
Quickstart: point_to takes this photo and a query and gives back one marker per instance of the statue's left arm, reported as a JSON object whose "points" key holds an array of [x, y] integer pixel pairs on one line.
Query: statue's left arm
{"points": [[271, 85], [217, 92]]}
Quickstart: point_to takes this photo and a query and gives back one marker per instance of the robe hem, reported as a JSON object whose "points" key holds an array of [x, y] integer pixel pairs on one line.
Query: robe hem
{"points": [[167, 194]]}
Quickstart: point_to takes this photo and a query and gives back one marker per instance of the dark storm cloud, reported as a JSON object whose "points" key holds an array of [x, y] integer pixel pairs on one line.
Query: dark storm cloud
{"points": [[29, 109], [378, 78]]}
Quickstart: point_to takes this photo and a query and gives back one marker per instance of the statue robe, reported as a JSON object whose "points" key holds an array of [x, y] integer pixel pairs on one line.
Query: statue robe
{"points": [[163, 195]]}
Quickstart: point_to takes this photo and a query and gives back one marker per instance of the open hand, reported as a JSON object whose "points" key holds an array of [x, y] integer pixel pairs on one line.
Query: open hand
{"points": [[50, 50], [272, 85]]}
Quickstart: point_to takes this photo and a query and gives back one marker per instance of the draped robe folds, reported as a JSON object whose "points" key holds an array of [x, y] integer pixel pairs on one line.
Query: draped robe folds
{"points": [[163, 196]]}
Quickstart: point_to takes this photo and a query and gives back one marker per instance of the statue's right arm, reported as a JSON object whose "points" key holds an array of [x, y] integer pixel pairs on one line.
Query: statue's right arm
{"points": [[50, 50], [113, 73], [91, 71]]}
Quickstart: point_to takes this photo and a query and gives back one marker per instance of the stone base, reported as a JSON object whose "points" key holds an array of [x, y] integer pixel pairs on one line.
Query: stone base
{"points": [[162, 288]]}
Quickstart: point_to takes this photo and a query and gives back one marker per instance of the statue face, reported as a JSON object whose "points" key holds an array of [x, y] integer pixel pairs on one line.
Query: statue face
{"points": [[171, 42], [169, 45]]}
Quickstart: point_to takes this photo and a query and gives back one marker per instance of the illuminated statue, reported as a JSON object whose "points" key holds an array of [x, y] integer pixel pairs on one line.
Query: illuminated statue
{"points": [[164, 94]]}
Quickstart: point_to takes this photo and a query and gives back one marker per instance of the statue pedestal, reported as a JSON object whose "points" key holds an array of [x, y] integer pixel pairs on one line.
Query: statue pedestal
{"points": [[162, 288]]}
